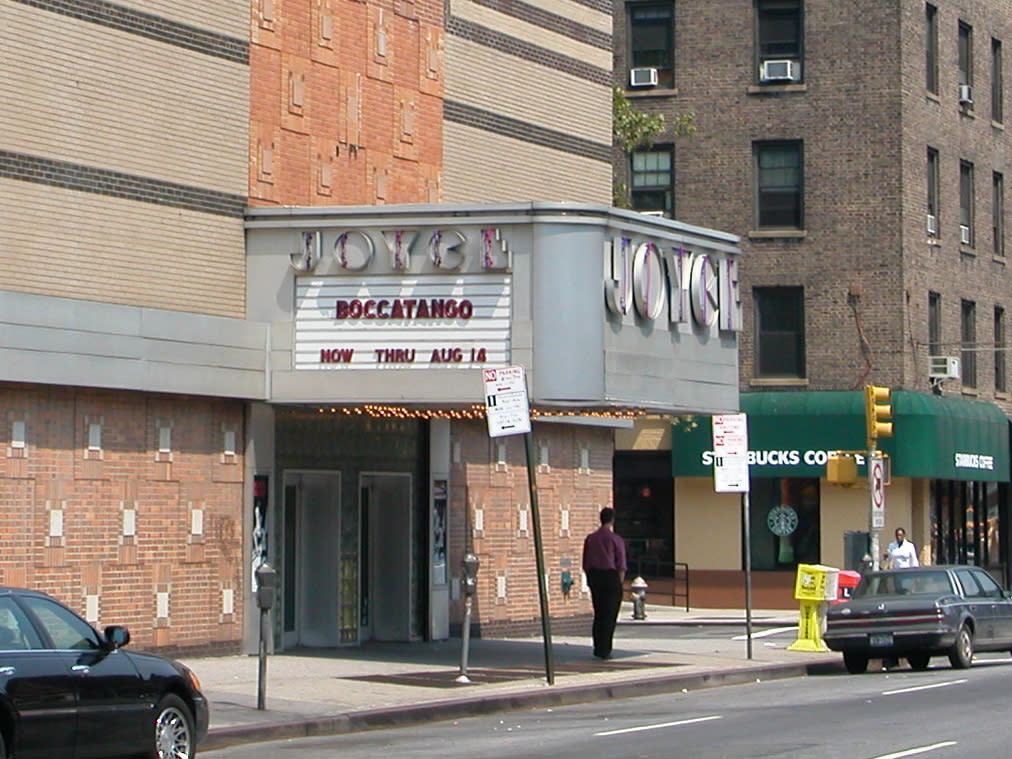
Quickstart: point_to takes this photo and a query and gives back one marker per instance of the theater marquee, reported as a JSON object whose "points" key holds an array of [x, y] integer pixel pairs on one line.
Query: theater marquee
{"points": [[402, 322]]}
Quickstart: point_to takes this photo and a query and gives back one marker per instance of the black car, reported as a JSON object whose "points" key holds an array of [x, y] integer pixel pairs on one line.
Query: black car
{"points": [[918, 613], [68, 691]]}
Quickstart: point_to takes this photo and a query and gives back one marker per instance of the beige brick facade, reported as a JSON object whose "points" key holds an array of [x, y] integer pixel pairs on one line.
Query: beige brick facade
{"points": [[528, 102], [106, 159]]}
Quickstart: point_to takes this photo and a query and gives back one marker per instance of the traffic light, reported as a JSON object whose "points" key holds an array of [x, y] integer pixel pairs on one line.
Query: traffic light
{"points": [[877, 408]]}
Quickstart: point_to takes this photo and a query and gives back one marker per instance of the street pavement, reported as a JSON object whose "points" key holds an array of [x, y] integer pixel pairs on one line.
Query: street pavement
{"points": [[338, 690]]}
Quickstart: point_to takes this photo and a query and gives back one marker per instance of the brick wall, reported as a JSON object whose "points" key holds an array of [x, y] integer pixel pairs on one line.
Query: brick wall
{"points": [[345, 102], [864, 259], [495, 496], [107, 521]]}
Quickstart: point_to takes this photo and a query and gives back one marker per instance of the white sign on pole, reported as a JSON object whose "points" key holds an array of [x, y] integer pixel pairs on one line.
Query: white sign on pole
{"points": [[506, 405], [730, 449], [876, 484]]}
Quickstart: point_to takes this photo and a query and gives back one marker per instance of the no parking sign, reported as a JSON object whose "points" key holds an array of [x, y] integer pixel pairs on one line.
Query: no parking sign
{"points": [[876, 487]]}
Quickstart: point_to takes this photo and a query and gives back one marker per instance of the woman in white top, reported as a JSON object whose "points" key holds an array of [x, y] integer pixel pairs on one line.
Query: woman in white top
{"points": [[901, 552]]}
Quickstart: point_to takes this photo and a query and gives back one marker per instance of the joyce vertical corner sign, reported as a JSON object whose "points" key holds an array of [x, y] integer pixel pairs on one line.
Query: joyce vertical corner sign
{"points": [[506, 404], [730, 453]]}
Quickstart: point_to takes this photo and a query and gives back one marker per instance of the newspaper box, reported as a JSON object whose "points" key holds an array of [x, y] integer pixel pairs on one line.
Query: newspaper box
{"points": [[814, 587], [816, 582], [847, 581]]}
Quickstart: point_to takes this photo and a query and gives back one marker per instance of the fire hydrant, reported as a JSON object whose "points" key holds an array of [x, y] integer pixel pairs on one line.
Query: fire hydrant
{"points": [[639, 598]]}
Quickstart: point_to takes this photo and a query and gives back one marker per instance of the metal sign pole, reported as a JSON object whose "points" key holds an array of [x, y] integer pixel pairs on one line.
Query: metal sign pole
{"points": [[508, 412], [731, 475], [876, 512], [546, 623], [747, 517]]}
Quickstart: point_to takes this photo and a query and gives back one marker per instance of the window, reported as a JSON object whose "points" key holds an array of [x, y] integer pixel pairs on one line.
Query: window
{"points": [[779, 180], [934, 324], [997, 86], [66, 630], [779, 34], [784, 522], [653, 180], [651, 40], [931, 48], [998, 212], [965, 54], [1000, 374], [965, 524], [780, 331], [966, 203], [933, 179], [968, 337]]}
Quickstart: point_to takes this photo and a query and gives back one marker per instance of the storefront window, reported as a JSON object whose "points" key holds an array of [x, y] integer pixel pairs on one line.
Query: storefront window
{"points": [[965, 526], [784, 522]]}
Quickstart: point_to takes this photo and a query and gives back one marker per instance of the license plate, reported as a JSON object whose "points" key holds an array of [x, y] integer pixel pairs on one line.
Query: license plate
{"points": [[880, 639]]}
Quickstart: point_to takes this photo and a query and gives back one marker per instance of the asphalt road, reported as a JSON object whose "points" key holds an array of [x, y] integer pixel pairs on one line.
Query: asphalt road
{"points": [[938, 714]]}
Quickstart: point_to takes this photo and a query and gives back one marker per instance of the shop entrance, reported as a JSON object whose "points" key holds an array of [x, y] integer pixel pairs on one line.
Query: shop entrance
{"points": [[386, 518]]}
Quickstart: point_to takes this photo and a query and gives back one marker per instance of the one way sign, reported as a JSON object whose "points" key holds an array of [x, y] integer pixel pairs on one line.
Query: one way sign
{"points": [[506, 405]]}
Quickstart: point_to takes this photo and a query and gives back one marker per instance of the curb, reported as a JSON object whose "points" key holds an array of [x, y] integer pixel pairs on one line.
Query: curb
{"points": [[708, 622], [403, 716]]}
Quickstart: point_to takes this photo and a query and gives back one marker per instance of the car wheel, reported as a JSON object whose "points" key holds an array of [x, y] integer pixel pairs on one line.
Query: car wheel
{"points": [[174, 738], [961, 654], [919, 661], [856, 664]]}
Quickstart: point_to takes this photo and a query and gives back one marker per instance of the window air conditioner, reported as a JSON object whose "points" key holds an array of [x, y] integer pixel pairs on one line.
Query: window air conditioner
{"points": [[652, 213], [965, 94], [932, 225], [964, 234], [643, 77], [943, 367], [778, 71]]}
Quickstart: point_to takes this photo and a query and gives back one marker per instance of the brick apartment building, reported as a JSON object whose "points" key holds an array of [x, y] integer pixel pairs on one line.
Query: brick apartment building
{"points": [[164, 175], [860, 151]]}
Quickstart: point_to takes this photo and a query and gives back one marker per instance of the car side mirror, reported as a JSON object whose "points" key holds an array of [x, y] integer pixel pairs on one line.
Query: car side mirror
{"points": [[116, 636]]}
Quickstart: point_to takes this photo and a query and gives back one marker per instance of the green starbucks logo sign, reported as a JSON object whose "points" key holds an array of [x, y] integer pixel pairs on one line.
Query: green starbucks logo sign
{"points": [[782, 520]]}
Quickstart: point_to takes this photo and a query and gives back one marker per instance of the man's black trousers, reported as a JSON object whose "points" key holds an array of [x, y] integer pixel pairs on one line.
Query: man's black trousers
{"points": [[606, 595]]}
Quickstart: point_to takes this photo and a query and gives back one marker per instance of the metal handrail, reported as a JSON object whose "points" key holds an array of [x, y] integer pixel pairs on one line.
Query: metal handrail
{"points": [[674, 588], [659, 569]]}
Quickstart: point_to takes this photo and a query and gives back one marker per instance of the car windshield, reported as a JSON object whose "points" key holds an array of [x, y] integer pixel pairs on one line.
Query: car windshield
{"points": [[904, 582]]}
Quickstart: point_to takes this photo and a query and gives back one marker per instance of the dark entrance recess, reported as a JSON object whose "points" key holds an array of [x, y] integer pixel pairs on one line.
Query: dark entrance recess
{"points": [[644, 498]]}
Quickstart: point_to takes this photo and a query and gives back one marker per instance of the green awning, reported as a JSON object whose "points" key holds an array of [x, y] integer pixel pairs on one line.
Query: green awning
{"points": [[792, 433]]}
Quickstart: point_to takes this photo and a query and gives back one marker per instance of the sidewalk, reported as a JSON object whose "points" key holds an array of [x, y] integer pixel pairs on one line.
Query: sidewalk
{"points": [[315, 692]]}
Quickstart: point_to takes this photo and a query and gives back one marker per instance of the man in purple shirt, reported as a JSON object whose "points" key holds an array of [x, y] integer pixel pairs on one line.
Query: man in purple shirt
{"points": [[604, 564]]}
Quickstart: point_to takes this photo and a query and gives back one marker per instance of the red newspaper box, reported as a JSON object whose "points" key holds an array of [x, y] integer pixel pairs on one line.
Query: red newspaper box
{"points": [[846, 583]]}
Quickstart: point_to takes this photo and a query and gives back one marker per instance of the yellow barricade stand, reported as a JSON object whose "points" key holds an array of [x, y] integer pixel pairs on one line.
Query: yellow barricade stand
{"points": [[815, 585]]}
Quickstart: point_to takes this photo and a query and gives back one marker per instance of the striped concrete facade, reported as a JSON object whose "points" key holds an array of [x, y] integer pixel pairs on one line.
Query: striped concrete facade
{"points": [[528, 85], [123, 149]]}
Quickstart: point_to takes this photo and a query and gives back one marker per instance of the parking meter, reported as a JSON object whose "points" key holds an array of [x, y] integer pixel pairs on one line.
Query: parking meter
{"points": [[470, 564], [267, 592], [267, 586]]}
